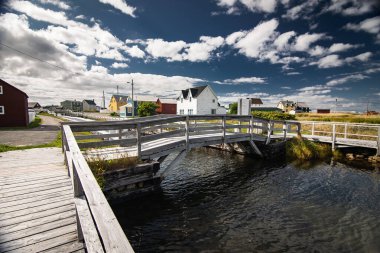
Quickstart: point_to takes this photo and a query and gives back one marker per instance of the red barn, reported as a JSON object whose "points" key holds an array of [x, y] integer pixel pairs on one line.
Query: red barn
{"points": [[166, 106], [13, 106]]}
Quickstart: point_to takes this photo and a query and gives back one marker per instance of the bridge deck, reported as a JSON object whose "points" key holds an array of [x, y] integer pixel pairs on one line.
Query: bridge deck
{"points": [[37, 210]]}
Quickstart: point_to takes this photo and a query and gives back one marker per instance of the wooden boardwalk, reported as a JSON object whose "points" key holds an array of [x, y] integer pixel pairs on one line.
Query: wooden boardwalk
{"points": [[37, 209]]}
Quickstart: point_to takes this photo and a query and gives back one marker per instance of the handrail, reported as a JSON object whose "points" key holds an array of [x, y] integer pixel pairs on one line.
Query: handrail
{"points": [[102, 228]]}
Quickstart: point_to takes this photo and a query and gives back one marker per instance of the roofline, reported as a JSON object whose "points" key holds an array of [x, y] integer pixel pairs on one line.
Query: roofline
{"points": [[2, 81]]}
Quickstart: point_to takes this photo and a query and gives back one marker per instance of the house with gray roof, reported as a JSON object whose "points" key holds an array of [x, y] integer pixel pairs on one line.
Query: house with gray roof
{"points": [[89, 105], [199, 100]]}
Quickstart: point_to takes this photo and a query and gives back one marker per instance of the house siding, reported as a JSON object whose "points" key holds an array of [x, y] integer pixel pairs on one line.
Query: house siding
{"points": [[205, 102], [15, 104]]}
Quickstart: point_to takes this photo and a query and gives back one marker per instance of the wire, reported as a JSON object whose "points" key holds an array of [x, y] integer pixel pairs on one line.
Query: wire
{"points": [[56, 66]]}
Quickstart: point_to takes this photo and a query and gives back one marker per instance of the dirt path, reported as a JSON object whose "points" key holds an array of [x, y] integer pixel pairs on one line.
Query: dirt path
{"points": [[45, 133]]}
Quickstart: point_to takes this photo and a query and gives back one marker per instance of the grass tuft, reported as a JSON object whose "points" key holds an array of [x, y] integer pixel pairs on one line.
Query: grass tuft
{"points": [[301, 149]]}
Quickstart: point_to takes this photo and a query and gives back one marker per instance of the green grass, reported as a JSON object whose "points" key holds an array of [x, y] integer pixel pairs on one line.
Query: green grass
{"points": [[33, 124], [99, 165], [273, 115], [301, 149], [340, 117], [56, 143]]}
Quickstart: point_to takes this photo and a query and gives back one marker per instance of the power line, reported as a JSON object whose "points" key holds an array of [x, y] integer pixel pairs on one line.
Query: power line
{"points": [[56, 66]]}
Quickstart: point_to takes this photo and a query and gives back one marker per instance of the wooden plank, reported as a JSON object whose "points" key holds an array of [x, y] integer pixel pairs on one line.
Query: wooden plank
{"points": [[87, 225], [112, 235], [37, 194], [175, 161], [30, 190], [96, 144], [16, 235], [96, 136], [25, 184], [38, 222], [47, 240], [162, 135], [18, 202], [37, 209], [35, 203], [67, 248], [33, 216]]}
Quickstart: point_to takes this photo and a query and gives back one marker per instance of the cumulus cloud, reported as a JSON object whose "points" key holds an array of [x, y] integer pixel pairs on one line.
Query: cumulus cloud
{"points": [[245, 80], [302, 10], [349, 78], [334, 60], [119, 65], [351, 7], [121, 5], [60, 4], [232, 6], [370, 25], [304, 41]]}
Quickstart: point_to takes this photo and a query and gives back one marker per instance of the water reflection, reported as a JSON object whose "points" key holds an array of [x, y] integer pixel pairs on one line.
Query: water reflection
{"points": [[219, 202]]}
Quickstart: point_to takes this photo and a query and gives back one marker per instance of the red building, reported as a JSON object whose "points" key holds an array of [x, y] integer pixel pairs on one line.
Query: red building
{"points": [[166, 106], [13, 106]]}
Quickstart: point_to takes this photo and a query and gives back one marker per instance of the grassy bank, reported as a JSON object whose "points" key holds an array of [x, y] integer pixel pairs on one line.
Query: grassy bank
{"points": [[56, 143], [339, 117], [301, 149]]}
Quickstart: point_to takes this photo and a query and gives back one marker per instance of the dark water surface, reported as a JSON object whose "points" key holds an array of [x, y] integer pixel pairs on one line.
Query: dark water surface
{"points": [[219, 202]]}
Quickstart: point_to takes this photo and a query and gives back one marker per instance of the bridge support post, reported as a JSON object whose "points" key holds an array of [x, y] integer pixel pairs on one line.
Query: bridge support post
{"points": [[270, 128], [251, 127], [284, 129], [224, 128], [187, 132], [256, 149], [345, 130], [378, 142], [333, 137], [138, 129]]}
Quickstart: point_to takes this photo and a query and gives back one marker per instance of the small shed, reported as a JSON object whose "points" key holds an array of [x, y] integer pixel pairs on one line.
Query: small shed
{"points": [[323, 110], [166, 106], [89, 105], [13, 106]]}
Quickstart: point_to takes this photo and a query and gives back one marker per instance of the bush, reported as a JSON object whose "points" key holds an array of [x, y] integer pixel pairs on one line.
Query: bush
{"points": [[233, 108], [273, 115], [35, 123], [113, 114], [301, 149], [146, 109]]}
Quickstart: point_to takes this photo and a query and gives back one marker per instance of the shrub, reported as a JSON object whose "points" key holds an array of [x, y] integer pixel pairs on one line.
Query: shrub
{"points": [[146, 109], [35, 123], [301, 149], [273, 115], [113, 114], [233, 108]]}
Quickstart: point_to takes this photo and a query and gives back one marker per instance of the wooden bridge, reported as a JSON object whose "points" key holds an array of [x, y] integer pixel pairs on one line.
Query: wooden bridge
{"points": [[49, 207]]}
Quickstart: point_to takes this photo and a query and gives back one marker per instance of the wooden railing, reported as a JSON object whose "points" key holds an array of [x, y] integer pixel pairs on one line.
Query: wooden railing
{"points": [[342, 131], [97, 224]]}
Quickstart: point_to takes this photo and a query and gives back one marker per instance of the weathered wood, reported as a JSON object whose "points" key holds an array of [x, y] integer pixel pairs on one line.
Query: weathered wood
{"points": [[122, 142], [175, 161], [255, 148], [87, 226], [224, 127], [333, 137], [96, 136], [187, 135], [162, 135], [378, 142], [139, 140]]}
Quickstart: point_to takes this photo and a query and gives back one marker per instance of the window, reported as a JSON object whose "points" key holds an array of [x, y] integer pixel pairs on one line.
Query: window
{"points": [[2, 110], [213, 111], [182, 111], [213, 100], [1, 89], [129, 109], [190, 99], [181, 100], [190, 111]]}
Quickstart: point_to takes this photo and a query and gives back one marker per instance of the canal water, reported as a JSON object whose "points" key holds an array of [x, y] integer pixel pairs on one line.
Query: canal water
{"points": [[220, 202]]}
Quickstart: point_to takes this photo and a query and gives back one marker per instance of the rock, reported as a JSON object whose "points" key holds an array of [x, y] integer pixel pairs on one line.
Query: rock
{"points": [[350, 156], [359, 157]]}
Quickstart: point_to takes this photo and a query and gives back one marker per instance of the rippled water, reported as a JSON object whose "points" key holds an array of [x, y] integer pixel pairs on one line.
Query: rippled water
{"points": [[219, 202]]}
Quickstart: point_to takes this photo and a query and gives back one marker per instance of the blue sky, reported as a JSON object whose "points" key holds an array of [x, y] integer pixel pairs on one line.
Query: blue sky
{"points": [[310, 51]]}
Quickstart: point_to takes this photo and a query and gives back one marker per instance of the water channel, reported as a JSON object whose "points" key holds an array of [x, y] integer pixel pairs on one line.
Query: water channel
{"points": [[220, 202]]}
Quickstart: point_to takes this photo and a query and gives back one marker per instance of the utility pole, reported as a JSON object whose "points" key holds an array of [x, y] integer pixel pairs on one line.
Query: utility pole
{"points": [[117, 89], [104, 100], [133, 102]]}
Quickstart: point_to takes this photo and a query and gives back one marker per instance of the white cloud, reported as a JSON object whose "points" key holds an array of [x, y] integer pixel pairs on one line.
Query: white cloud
{"points": [[293, 73], [304, 41], [234, 37], [201, 51], [121, 65], [301, 11], [135, 51], [334, 60], [170, 50], [266, 6], [350, 78], [60, 4], [80, 17], [340, 47], [370, 25], [121, 5], [360, 57], [351, 7], [243, 80], [253, 43], [282, 41]]}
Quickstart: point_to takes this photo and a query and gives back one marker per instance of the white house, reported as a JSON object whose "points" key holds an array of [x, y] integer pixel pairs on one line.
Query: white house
{"points": [[199, 100]]}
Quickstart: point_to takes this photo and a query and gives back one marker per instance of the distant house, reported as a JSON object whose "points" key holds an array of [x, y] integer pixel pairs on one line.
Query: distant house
{"points": [[166, 106], [126, 109], [117, 101], [256, 102], [199, 100], [89, 106], [302, 107], [73, 105], [34, 106], [13, 106], [323, 110], [286, 106]]}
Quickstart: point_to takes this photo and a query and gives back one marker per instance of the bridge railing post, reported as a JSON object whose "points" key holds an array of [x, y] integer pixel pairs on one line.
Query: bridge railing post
{"points": [[78, 192], [313, 128], [251, 127], [270, 129], [333, 137], [284, 128], [299, 129], [187, 132], [139, 139], [378, 142], [345, 130], [224, 128]]}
